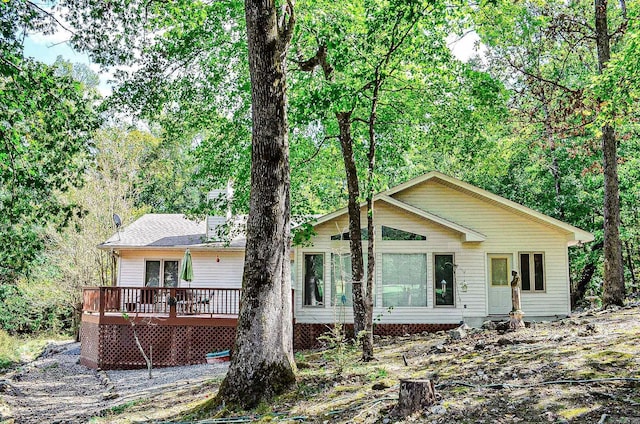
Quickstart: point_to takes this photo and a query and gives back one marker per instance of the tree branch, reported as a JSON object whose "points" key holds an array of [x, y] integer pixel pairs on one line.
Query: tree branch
{"points": [[541, 78], [285, 28], [313, 156], [50, 15], [319, 59]]}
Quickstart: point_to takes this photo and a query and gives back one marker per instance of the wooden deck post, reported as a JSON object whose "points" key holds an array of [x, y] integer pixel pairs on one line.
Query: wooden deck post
{"points": [[102, 301], [172, 302]]}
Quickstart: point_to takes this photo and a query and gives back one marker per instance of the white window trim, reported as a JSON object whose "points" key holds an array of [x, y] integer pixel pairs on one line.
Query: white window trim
{"points": [[379, 260], [532, 272], [324, 279], [433, 265], [161, 277]]}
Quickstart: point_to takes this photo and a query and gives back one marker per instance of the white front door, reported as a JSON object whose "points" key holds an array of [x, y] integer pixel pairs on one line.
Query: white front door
{"points": [[499, 266]]}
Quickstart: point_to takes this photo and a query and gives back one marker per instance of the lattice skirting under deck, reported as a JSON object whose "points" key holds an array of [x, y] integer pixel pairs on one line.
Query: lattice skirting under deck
{"points": [[113, 346]]}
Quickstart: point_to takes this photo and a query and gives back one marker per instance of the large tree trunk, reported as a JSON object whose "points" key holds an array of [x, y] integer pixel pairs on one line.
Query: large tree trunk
{"points": [[262, 363], [355, 233], [613, 290]]}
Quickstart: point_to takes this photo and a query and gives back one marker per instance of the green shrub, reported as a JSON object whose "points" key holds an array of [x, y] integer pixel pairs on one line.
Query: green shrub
{"points": [[32, 310]]}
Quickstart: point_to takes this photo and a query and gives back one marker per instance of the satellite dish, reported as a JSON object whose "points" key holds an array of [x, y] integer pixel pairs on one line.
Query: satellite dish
{"points": [[117, 220]]}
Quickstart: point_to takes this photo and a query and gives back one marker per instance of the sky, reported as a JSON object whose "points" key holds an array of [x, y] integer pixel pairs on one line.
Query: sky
{"points": [[46, 48]]}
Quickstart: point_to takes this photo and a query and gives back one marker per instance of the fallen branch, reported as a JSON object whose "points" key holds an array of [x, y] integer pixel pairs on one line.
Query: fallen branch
{"points": [[542, 383]]}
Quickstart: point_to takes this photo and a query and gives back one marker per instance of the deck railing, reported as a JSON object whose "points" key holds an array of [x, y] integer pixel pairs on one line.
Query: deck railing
{"points": [[161, 301]]}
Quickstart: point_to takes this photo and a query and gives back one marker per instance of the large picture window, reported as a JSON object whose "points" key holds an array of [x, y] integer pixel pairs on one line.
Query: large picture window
{"points": [[532, 271], [341, 278], [444, 274], [313, 289], [161, 273], [404, 279]]}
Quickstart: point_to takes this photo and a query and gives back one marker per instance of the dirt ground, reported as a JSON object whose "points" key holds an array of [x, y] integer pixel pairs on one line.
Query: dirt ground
{"points": [[55, 388], [583, 369]]}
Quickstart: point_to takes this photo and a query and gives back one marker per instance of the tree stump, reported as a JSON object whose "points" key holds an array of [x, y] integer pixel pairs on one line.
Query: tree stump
{"points": [[415, 395], [515, 320]]}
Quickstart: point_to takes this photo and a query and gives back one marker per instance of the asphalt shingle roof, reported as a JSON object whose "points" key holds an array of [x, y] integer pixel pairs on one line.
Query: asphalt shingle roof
{"points": [[159, 230]]}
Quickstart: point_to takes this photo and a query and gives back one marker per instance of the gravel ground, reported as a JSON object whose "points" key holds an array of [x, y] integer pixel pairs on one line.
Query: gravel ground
{"points": [[55, 388]]}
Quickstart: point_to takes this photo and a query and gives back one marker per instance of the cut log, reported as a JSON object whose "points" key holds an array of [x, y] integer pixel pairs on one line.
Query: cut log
{"points": [[415, 395]]}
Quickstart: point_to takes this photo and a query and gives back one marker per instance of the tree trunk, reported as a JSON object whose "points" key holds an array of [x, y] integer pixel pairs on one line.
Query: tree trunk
{"points": [[587, 274], [613, 290], [554, 167], [367, 340], [355, 233], [262, 363], [632, 269]]}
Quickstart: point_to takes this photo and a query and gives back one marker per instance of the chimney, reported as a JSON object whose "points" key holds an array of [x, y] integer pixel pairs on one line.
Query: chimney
{"points": [[215, 223]]}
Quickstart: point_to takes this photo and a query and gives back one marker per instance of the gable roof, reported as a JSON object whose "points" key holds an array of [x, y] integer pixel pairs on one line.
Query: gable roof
{"points": [[577, 235], [467, 233], [162, 231]]}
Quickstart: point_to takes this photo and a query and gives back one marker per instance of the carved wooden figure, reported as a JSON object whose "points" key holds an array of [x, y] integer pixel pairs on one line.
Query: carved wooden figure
{"points": [[516, 314]]}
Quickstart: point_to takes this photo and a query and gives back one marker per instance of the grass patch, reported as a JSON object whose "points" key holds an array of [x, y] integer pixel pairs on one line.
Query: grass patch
{"points": [[377, 374], [9, 353], [610, 359], [15, 350], [573, 413], [120, 409]]}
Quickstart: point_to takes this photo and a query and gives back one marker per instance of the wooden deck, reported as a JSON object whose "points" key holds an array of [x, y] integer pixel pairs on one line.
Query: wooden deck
{"points": [[182, 325], [165, 306]]}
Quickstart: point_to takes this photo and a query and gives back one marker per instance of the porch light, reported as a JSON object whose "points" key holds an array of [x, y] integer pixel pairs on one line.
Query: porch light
{"points": [[217, 258]]}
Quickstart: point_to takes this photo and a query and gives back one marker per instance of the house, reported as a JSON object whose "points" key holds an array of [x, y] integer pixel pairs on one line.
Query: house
{"points": [[445, 250]]}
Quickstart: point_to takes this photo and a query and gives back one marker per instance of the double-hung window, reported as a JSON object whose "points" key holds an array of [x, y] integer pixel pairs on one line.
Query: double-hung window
{"points": [[532, 271], [161, 273]]}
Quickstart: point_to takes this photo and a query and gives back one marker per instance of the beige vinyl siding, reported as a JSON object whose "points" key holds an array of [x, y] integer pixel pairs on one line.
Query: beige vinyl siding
{"points": [[468, 257], [207, 272], [507, 231]]}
